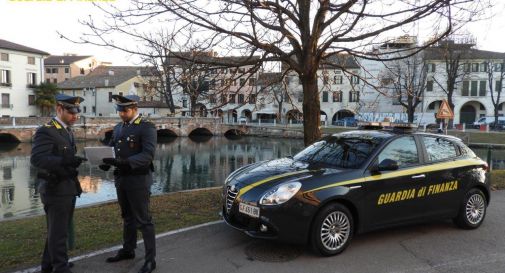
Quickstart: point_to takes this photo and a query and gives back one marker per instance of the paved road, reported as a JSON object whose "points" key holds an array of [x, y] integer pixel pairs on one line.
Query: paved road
{"points": [[427, 248]]}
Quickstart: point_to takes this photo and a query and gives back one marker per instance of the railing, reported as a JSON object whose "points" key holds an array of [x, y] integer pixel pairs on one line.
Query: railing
{"points": [[7, 106]]}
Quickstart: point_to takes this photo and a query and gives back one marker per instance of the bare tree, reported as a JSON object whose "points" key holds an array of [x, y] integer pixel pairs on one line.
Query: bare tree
{"points": [[274, 88], [495, 75], [300, 33], [454, 54], [405, 81]]}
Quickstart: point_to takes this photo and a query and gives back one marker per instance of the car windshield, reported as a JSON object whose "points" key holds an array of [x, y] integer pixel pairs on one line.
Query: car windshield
{"points": [[341, 152]]}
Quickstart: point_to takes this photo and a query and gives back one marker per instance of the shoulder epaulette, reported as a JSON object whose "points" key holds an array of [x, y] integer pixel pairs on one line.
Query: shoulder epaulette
{"points": [[56, 124], [137, 121]]}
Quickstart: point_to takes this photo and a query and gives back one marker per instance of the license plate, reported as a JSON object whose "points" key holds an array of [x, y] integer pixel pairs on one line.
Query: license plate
{"points": [[249, 210]]}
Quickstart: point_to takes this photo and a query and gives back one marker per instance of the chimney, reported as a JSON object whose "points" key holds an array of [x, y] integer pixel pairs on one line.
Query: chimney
{"points": [[138, 72], [111, 72]]}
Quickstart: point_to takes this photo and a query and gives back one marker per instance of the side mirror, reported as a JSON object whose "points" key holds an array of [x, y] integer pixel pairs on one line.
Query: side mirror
{"points": [[386, 165]]}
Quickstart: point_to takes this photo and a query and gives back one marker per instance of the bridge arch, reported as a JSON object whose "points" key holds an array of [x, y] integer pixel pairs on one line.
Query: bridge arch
{"points": [[200, 131], [233, 133], [9, 138]]}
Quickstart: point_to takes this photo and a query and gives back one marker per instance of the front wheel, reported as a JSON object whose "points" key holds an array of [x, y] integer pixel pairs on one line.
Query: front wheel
{"points": [[472, 211], [332, 229]]}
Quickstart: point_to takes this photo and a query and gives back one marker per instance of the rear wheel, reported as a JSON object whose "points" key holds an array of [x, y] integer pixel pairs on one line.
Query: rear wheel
{"points": [[332, 230], [472, 211]]}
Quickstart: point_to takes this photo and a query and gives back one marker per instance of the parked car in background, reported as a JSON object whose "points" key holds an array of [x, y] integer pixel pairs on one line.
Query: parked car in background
{"points": [[499, 127], [485, 121], [242, 119], [347, 121]]}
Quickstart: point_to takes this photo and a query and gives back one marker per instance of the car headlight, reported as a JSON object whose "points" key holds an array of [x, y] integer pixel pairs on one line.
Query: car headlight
{"points": [[280, 193]]}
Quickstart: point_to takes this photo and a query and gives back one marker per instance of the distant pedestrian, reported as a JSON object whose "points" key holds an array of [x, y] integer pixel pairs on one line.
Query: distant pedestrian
{"points": [[53, 154], [134, 142]]}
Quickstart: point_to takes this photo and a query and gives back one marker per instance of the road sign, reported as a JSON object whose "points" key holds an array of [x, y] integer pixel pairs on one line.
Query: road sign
{"points": [[445, 111]]}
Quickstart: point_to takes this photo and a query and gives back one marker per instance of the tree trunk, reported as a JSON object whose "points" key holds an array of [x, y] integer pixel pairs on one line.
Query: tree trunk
{"points": [[279, 112], [451, 104], [168, 95], [311, 110], [496, 109], [410, 114]]}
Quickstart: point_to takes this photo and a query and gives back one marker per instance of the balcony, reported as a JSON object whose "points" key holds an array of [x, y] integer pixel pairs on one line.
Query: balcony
{"points": [[6, 84], [9, 106]]}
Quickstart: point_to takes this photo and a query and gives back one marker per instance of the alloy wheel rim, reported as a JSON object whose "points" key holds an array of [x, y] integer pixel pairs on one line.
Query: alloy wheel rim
{"points": [[335, 230], [475, 208]]}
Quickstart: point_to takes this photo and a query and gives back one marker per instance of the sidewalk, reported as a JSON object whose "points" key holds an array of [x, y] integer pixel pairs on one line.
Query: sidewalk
{"points": [[428, 248]]}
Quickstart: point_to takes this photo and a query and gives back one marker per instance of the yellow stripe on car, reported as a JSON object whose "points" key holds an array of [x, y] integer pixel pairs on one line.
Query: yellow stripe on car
{"points": [[411, 171], [249, 187]]}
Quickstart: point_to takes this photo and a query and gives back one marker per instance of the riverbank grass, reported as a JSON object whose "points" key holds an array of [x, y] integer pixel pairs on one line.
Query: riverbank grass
{"points": [[98, 227]]}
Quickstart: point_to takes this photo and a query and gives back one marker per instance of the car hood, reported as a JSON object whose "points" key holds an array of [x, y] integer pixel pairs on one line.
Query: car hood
{"points": [[268, 173]]}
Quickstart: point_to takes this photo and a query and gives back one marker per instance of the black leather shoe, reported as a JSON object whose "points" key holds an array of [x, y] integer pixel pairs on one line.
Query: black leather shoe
{"points": [[70, 264], [148, 267], [46, 270], [121, 255]]}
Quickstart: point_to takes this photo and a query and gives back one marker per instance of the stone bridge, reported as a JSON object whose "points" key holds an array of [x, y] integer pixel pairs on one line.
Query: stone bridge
{"points": [[100, 128]]}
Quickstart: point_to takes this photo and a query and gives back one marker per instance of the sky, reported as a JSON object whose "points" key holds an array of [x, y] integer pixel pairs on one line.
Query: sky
{"points": [[35, 23]]}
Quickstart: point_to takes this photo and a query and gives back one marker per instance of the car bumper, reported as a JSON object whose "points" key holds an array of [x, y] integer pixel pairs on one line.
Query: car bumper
{"points": [[288, 222]]}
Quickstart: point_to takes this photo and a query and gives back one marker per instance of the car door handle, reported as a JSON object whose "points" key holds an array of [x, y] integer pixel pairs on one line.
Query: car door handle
{"points": [[419, 176]]}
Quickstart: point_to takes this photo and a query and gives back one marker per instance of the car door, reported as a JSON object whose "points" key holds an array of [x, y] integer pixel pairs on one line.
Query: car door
{"points": [[441, 195], [391, 195]]}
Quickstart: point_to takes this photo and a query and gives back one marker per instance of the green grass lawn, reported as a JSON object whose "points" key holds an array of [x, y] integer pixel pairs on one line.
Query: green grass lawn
{"points": [[97, 227]]}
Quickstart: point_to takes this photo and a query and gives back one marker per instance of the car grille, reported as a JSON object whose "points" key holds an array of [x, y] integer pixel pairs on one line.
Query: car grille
{"points": [[231, 194]]}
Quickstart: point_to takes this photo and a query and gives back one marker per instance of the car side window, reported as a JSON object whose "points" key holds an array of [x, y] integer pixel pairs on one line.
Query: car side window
{"points": [[439, 148], [403, 150]]}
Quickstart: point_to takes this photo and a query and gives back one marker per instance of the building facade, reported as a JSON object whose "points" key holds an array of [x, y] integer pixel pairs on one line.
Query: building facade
{"points": [[21, 69], [60, 68]]}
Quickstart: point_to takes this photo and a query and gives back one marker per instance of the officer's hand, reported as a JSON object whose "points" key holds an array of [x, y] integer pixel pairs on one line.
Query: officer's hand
{"points": [[109, 161], [121, 163], [104, 167], [73, 161]]}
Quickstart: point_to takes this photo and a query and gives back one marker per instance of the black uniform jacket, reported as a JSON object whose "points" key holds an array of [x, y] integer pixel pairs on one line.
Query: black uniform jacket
{"points": [[136, 143], [51, 144]]}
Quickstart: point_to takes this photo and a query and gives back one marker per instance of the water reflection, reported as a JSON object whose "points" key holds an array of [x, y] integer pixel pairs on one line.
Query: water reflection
{"points": [[180, 164]]}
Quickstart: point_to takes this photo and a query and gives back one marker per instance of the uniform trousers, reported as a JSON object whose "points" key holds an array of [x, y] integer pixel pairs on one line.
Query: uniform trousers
{"points": [[59, 210], [135, 213]]}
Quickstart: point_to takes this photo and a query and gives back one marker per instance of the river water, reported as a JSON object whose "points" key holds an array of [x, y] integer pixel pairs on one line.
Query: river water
{"points": [[180, 164]]}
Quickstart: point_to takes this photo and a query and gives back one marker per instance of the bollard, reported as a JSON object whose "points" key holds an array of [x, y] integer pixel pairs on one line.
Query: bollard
{"points": [[14, 121], [464, 127], [275, 122], [71, 234]]}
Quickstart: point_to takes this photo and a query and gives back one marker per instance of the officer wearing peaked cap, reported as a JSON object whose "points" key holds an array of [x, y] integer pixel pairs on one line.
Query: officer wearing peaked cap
{"points": [[134, 142], [54, 155]]}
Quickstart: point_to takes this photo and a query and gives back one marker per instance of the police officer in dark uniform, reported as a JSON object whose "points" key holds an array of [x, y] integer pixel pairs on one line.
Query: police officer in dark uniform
{"points": [[54, 155], [134, 142]]}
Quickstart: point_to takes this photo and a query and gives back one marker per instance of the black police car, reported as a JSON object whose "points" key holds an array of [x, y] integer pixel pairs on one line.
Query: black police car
{"points": [[355, 182]]}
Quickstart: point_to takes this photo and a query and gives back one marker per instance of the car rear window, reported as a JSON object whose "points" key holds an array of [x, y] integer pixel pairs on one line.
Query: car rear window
{"points": [[340, 152], [439, 148]]}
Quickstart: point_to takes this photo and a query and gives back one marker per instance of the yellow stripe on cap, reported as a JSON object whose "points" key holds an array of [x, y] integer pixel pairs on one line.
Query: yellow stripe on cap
{"points": [[249, 187], [412, 171]]}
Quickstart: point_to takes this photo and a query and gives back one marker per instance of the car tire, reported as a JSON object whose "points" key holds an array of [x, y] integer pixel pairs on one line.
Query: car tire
{"points": [[472, 210], [332, 229]]}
